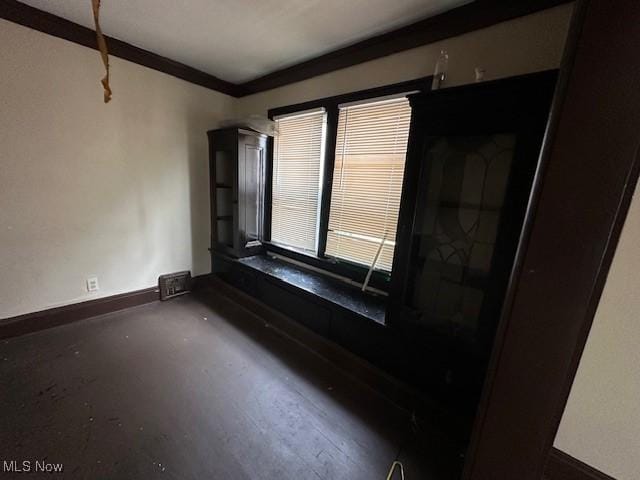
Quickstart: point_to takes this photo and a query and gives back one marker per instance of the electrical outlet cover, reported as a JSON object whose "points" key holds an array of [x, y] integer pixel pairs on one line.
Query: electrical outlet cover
{"points": [[92, 284]]}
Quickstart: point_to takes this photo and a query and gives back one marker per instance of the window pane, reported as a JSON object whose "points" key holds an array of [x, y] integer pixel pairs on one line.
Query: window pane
{"points": [[367, 181], [297, 170]]}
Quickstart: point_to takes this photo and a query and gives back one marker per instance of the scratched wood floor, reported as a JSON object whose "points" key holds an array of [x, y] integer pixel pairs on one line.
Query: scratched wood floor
{"points": [[197, 388]]}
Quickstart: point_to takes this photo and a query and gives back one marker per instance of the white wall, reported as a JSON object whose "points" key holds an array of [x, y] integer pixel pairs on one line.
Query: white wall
{"points": [[524, 45], [119, 191], [601, 422]]}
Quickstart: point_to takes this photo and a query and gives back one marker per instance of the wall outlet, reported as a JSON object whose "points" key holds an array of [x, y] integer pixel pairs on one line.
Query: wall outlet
{"points": [[92, 284]]}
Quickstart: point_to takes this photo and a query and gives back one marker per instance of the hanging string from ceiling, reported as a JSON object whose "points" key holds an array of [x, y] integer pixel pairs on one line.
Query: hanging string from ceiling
{"points": [[102, 46]]}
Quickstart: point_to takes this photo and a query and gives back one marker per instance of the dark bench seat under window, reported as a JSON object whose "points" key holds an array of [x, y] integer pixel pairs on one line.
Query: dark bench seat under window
{"points": [[326, 288]]}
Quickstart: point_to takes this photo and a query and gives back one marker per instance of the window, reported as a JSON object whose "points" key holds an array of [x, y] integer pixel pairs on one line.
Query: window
{"points": [[297, 175], [371, 146], [337, 175]]}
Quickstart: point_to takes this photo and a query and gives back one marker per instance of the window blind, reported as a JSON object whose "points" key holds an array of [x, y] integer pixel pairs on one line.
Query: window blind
{"points": [[297, 172], [367, 181]]}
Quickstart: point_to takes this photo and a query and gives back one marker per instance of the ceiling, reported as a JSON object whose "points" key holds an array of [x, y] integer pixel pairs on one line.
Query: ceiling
{"points": [[239, 40]]}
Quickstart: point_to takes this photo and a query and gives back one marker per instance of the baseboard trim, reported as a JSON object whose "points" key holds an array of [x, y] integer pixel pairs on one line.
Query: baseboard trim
{"points": [[562, 466], [201, 281], [53, 317]]}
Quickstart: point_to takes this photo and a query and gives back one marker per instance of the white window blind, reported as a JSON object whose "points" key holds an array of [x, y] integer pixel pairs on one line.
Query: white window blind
{"points": [[367, 181], [297, 173]]}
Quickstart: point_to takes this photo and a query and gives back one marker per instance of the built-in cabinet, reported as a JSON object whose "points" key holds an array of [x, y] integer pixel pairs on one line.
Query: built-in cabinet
{"points": [[237, 158], [471, 160]]}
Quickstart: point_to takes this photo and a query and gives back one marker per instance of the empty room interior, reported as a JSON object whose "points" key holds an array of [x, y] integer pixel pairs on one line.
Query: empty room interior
{"points": [[289, 239]]}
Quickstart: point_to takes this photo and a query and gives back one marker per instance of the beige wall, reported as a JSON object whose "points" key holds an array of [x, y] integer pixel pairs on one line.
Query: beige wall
{"points": [[523, 45], [119, 191], [601, 422]]}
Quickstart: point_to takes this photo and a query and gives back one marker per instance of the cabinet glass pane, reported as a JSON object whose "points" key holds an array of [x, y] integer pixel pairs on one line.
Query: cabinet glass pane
{"points": [[251, 191], [224, 201], [224, 232], [224, 168], [460, 202]]}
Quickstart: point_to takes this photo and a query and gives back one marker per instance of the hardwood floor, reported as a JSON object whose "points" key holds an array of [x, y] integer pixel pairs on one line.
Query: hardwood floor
{"points": [[198, 388]]}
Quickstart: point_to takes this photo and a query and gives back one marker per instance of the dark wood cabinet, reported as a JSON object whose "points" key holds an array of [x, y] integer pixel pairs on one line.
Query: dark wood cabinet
{"points": [[237, 159], [471, 160]]}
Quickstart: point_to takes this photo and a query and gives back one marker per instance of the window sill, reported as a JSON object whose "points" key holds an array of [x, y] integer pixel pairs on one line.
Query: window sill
{"points": [[368, 305], [350, 271]]}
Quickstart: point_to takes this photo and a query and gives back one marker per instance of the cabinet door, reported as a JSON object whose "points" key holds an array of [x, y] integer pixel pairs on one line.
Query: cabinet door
{"points": [[471, 161], [460, 207], [251, 174]]}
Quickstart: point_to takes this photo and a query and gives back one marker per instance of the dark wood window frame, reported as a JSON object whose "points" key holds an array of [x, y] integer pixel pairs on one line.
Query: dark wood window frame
{"points": [[345, 268]]}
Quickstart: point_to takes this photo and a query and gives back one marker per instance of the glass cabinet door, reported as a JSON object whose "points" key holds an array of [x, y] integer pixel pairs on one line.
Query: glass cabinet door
{"points": [[251, 192], [251, 180], [461, 197], [471, 160]]}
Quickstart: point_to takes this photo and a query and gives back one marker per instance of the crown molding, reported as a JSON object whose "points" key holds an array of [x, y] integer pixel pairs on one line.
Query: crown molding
{"points": [[460, 20], [51, 24]]}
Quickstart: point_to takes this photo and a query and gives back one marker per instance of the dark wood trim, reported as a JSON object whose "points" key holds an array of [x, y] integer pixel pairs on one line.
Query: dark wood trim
{"points": [[347, 269], [562, 466], [42, 21], [53, 317], [418, 84], [268, 191], [200, 282], [464, 19], [327, 180], [473, 16], [588, 172]]}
